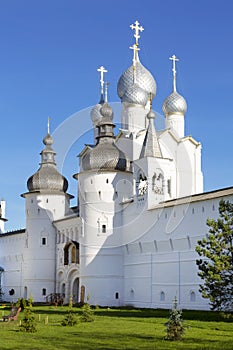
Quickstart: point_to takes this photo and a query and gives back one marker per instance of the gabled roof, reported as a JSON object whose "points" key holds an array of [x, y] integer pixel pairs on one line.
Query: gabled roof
{"points": [[177, 139]]}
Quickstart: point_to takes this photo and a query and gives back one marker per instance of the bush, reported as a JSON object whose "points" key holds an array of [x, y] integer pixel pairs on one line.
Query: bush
{"points": [[69, 319]]}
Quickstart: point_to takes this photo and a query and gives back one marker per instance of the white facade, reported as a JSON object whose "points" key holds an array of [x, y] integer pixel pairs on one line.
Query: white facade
{"points": [[140, 211]]}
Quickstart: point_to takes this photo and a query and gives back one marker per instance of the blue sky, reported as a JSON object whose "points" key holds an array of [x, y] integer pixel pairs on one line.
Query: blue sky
{"points": [[49, 53]]}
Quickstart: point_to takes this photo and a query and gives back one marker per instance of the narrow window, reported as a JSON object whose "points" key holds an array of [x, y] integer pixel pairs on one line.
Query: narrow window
{"points": [[193, 211], [47, 200], [31, 200], [203, 209], [117, 295], [106, 181], [43, 291], [103, 228], [73, 254], [192, 297], [99, 194], [66, 255], [162, 296], [169, 187], [43, 241]]}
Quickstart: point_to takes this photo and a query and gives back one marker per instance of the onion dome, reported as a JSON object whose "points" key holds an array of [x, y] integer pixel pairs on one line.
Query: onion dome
{"points": [[136, 85], [174, 103], [95, 114], [47, 178], [135, 94], [105, 155]]}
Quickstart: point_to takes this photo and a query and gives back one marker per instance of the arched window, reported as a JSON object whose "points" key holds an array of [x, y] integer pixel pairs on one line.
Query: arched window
{"points": [[158, 182], [71, 253], [141, 184], [192, 296], [162, 296]]}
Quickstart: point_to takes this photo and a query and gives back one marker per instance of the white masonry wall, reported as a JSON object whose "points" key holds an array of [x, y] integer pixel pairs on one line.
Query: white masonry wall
{"points": [[160, 257]]}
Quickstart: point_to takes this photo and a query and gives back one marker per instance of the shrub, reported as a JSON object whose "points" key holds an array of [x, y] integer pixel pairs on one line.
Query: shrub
{"points": [[69, 319], [175, 328]]}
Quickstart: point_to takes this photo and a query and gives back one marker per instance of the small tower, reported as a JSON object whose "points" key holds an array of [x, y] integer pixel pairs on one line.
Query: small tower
{"points": [[151, 171], [103, 183], [174, 106], [46, 201], [95, 112]]}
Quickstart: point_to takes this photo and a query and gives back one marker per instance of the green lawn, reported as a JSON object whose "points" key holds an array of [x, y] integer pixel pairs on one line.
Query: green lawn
{"points": [[117, 329]]}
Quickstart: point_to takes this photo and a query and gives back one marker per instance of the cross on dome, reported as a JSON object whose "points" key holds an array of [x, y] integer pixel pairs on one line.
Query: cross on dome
{"points": [[174, 59], [102, 70], [106, 92], [137, 29], [49, 125], [135, 49]]}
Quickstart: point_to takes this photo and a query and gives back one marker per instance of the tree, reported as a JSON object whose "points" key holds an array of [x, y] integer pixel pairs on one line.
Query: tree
{"points": [[216, 263], [175, 327]]}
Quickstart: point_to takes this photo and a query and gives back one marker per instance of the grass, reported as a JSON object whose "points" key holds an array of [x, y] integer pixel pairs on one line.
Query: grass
{"points": [[117, 329]]}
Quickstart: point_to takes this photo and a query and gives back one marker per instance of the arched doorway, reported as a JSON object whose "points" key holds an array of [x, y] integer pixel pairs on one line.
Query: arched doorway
{"points": [[75, 290]]}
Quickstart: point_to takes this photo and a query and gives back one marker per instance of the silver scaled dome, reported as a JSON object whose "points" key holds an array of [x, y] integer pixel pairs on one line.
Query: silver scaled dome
{"points": [[136, 85], [174, 104], [105, 155], [47, 178], [95, 114]]}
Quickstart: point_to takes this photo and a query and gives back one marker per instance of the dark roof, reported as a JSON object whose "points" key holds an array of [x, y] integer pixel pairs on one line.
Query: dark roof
{"points": [[14, 232]]}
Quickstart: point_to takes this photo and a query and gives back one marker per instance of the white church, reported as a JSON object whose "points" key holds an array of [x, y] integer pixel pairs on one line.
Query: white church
{"points": [[140, 209]]}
